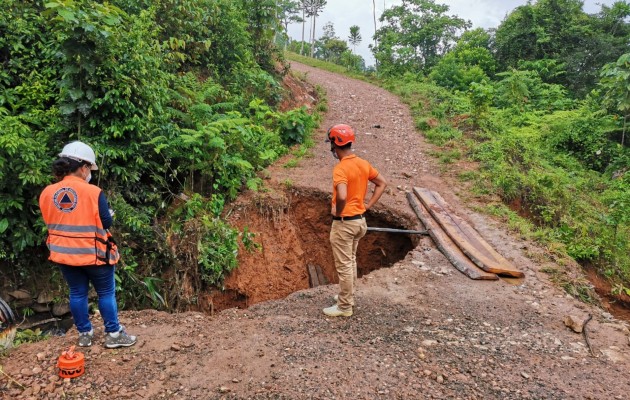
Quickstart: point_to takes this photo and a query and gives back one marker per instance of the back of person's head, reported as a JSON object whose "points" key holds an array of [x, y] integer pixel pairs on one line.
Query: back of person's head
{"points": [[64, 166]]}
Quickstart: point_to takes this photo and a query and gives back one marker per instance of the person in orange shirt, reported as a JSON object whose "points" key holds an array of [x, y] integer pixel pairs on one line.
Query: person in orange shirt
{"points": [[78, 217], [350, 183]]}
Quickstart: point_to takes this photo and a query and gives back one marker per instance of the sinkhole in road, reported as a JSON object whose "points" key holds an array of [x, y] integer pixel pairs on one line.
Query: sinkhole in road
{"points": [[290, 228]]}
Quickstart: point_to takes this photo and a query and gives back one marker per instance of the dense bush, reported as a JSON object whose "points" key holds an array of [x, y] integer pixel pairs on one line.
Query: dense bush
{"points": [[177, 100], [558, 170], [546, 156], [470, 61]]}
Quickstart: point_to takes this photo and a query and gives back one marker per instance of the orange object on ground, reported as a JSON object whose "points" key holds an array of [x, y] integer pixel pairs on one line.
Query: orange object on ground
{"points": [[71, 364]]}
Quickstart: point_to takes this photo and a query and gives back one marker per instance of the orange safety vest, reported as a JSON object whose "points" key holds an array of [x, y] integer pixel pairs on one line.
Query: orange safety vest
{"points": [[76, 235]]}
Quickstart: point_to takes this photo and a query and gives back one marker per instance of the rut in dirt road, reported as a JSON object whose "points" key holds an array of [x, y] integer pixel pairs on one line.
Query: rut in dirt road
{"points": [[421, 329]]}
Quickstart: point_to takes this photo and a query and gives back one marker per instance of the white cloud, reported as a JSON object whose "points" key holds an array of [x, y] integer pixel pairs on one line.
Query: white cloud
{"points": [[345, 13]]}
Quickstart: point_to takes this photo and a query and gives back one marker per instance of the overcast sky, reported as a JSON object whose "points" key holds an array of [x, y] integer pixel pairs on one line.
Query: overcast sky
{"points": [[345, 13]]}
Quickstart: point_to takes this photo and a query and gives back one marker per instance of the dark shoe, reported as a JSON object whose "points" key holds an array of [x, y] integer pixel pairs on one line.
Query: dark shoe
{"points": [[85, 338], [114, 340]]}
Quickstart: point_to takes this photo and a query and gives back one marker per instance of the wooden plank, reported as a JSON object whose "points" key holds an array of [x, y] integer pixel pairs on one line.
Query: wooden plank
{"points": [[464, 236], [320, 275], [444, 243], [312, 276], [469, 240], [477, 240]]}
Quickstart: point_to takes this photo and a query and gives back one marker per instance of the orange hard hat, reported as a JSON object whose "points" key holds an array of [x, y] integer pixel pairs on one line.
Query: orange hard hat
{"points": [[340, 134]]}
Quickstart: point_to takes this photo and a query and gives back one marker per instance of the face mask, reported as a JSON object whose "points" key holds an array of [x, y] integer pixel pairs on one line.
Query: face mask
{"points": [[88, 177]]}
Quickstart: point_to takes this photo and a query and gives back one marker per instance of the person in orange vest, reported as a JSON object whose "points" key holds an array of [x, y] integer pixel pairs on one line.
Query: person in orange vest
{"points": [[350, 183], [78, 217]]}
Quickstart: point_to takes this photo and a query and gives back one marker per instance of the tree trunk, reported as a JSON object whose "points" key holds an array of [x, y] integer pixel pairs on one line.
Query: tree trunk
{"points": [[275, 31], [623, 132], [79, 113], [375, 42], [303, 25], [313, 36]]}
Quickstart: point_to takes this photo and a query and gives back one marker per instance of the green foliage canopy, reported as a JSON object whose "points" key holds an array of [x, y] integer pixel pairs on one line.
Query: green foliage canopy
{"points": [[469, 61], [177, 98], [560, 30], [414, 36]]}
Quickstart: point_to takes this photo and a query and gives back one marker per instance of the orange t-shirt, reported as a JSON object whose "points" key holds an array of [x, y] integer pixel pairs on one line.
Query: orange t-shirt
{"points": [[355, 173]]}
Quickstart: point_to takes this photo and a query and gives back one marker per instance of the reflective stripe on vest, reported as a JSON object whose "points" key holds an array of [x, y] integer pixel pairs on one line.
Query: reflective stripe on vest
{"points": [[75, 232], [93, 251], [76, 250], [77, 229]]}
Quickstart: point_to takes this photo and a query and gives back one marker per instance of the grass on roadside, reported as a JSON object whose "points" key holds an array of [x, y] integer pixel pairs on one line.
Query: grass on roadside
{"points": [[328, 66]]}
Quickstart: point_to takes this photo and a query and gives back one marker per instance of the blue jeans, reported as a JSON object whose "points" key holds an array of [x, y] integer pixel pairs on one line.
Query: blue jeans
{"points": [[102, 278]]}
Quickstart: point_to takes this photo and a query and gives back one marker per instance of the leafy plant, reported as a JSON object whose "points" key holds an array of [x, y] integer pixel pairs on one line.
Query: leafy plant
{"points": [[442, 134], [23, 336], [28, 311], [414, 36], [295, 125], [248, 238], [615, 81], [189, 111]]}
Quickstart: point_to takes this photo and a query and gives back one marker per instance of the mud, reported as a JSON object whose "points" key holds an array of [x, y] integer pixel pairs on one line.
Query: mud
{"points": [[290, 230], [618, 304]]}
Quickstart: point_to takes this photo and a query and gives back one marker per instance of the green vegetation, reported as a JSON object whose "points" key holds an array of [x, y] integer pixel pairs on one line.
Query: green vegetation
{"points": [[414, 36], [326, 65], [29, 336], [179, 101], [556, 162], [541, 104]]}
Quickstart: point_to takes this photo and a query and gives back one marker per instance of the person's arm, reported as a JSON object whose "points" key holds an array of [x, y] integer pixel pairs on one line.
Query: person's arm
{"points": [[342, 196], [379, 187], [103, 211]]}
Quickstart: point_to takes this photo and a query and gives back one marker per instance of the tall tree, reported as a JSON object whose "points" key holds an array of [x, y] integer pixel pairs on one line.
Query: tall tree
{"points": [[355, 37], [374, 15], [415, 35], [288, 12], [615, 82], [303, 5], [329, 47], [313, 9], [329, 31], [560, 30]]}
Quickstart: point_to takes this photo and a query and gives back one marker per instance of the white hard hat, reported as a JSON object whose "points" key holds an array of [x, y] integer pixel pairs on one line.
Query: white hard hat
{"points": [[79, 151]]}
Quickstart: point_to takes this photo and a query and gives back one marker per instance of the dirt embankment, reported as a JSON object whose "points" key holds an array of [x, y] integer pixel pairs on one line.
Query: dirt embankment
{"points": [[420, 329]]}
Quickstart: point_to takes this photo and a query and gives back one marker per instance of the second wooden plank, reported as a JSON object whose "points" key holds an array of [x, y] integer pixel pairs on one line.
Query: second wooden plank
{"points": [[452, 253]]}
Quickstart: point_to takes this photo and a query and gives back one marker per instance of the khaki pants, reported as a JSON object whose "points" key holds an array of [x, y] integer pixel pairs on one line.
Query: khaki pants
{"points": [[344, 239]]}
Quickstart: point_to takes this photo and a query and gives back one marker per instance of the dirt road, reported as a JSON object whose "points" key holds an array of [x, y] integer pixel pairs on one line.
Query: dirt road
{"points": [[421, 330]]}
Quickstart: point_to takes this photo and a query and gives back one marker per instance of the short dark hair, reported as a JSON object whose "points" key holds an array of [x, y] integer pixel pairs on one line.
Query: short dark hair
{"points": [[345, 146], [64, 166]]}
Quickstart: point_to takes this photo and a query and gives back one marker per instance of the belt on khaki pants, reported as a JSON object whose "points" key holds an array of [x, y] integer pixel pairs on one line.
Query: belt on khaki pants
{"points": [[348, 218]]}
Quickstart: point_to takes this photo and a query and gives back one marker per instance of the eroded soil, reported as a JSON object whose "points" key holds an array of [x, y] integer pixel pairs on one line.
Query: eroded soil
{"points": [[420, 330]]}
